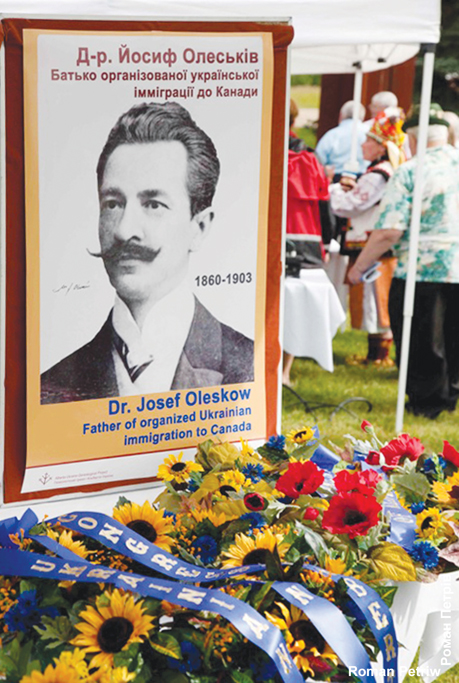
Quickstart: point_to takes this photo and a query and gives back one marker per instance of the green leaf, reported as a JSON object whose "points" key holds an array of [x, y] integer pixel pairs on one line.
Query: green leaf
{"points": [[171, 676], [390, 561], [126, 657], [58, 630], [167, 645], [122, 501], [387, 593], [312, 538], [273, 455], [274, 566], [260, 595], [412, 486], [240, 676]]}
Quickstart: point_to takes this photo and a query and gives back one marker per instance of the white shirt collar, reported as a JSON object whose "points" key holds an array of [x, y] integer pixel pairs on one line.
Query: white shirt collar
{"points": [[161, 340]]}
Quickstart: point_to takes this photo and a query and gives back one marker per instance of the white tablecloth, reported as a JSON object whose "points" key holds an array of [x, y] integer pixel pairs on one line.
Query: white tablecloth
{"points": [[312, 315]]}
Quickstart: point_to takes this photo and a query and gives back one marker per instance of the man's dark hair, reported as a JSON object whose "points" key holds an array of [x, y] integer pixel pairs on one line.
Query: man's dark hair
{"points": [[155, 122]]}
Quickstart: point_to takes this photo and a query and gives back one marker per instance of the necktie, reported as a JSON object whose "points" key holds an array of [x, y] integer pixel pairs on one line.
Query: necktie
{"points": [[134, 369]]}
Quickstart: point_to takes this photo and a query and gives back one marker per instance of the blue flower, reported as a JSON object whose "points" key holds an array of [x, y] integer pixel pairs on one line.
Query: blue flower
{"points": [[192, 485], [170, 514], [191, 659], [253, 472], [15, 620], [430, 464], [257, 521], [263, 671], [425, 552], [286, 500], [27, 601], [416, 508], [26, 613], [277, 442], [206, 548]]}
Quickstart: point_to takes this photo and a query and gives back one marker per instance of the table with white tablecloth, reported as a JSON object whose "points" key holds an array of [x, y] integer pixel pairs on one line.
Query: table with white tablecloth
{"points": [[312, 315]]}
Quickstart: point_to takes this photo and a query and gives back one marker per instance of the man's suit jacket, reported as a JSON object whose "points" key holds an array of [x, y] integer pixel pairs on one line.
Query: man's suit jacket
{"points": [[213, 354]]}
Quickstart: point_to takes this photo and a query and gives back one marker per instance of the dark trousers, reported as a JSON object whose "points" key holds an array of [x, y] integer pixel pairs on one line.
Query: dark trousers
{"points": [[433, 366]]}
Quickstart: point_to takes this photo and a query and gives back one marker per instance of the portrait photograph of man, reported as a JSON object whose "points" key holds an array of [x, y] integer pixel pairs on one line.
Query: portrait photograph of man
{"points": [[156, 179]]}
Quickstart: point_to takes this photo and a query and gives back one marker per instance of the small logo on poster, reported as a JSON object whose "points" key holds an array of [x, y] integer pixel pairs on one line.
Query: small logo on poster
{"points": [[45, 479]]}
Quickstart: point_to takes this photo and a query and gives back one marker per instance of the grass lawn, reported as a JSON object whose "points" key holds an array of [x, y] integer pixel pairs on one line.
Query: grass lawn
{"points": [[379, 386], [306, 96]]}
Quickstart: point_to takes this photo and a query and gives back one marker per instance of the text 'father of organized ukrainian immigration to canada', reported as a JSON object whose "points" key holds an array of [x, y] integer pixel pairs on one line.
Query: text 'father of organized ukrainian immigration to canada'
{"points": [[157, 176]]}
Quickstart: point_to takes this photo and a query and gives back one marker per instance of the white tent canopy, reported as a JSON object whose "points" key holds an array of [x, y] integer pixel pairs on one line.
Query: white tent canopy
{"points": [[331, 36], [376, 34]]}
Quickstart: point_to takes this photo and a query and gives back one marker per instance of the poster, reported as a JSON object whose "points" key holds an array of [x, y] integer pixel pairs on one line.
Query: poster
{"points": [[160, 240]]}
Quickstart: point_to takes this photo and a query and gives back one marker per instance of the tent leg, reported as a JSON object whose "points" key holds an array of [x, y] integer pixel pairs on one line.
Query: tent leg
{"points": [[408, 305]]}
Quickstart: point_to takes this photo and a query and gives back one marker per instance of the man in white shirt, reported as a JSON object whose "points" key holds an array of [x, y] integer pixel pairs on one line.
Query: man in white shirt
{"points": [[334, 148], [157, 175]]}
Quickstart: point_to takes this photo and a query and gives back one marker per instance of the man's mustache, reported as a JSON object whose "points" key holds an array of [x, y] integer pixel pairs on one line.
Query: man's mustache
{"points": [[126, 250]]}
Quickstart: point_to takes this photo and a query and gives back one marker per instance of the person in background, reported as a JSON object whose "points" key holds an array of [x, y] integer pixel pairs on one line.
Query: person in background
{"points": [[295, 143], [453, 130], [307, 208], [433, 366], [358, 201], [334, 148], [380, 101]]}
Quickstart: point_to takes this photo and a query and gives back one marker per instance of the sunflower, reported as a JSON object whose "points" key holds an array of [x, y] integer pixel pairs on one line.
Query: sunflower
{"points": [[448, 491], [148, 522], [106, 630], [75, 660], [429, 523], [253, 549], [65, 538], [173, 469], [200, 514], [118, 675], [302, 435], [336, 565], [58, 674], [233, 478], [304, 641]]}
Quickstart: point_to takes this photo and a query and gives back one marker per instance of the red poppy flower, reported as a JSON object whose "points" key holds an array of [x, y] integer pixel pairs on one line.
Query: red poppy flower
{"points": [[351, 513], [404, 446], [311, 513], [300, 478], [366, 424], [372, 458], [370, 477], [255, 502], [355, 481], [450, 454], [319, 665]]}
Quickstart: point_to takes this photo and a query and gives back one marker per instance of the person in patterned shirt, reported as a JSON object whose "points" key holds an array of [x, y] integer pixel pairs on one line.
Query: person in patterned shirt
{"points": [[433, 368]]}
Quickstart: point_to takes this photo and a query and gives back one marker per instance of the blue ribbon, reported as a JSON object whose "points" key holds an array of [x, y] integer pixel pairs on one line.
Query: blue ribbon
{"points": [[320, 611], [324, 614], [13, 525], [116, 536], [378, 617], [402, 522], [324, 458], [246, 619]]}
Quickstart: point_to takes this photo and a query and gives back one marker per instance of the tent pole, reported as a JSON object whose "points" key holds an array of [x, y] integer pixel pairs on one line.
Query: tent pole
{"points": [[357, 98], [408, 305]]}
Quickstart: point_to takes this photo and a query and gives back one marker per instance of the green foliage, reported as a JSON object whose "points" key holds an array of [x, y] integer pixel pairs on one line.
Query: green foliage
{"points": [[306, 79], [57, 631]]}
